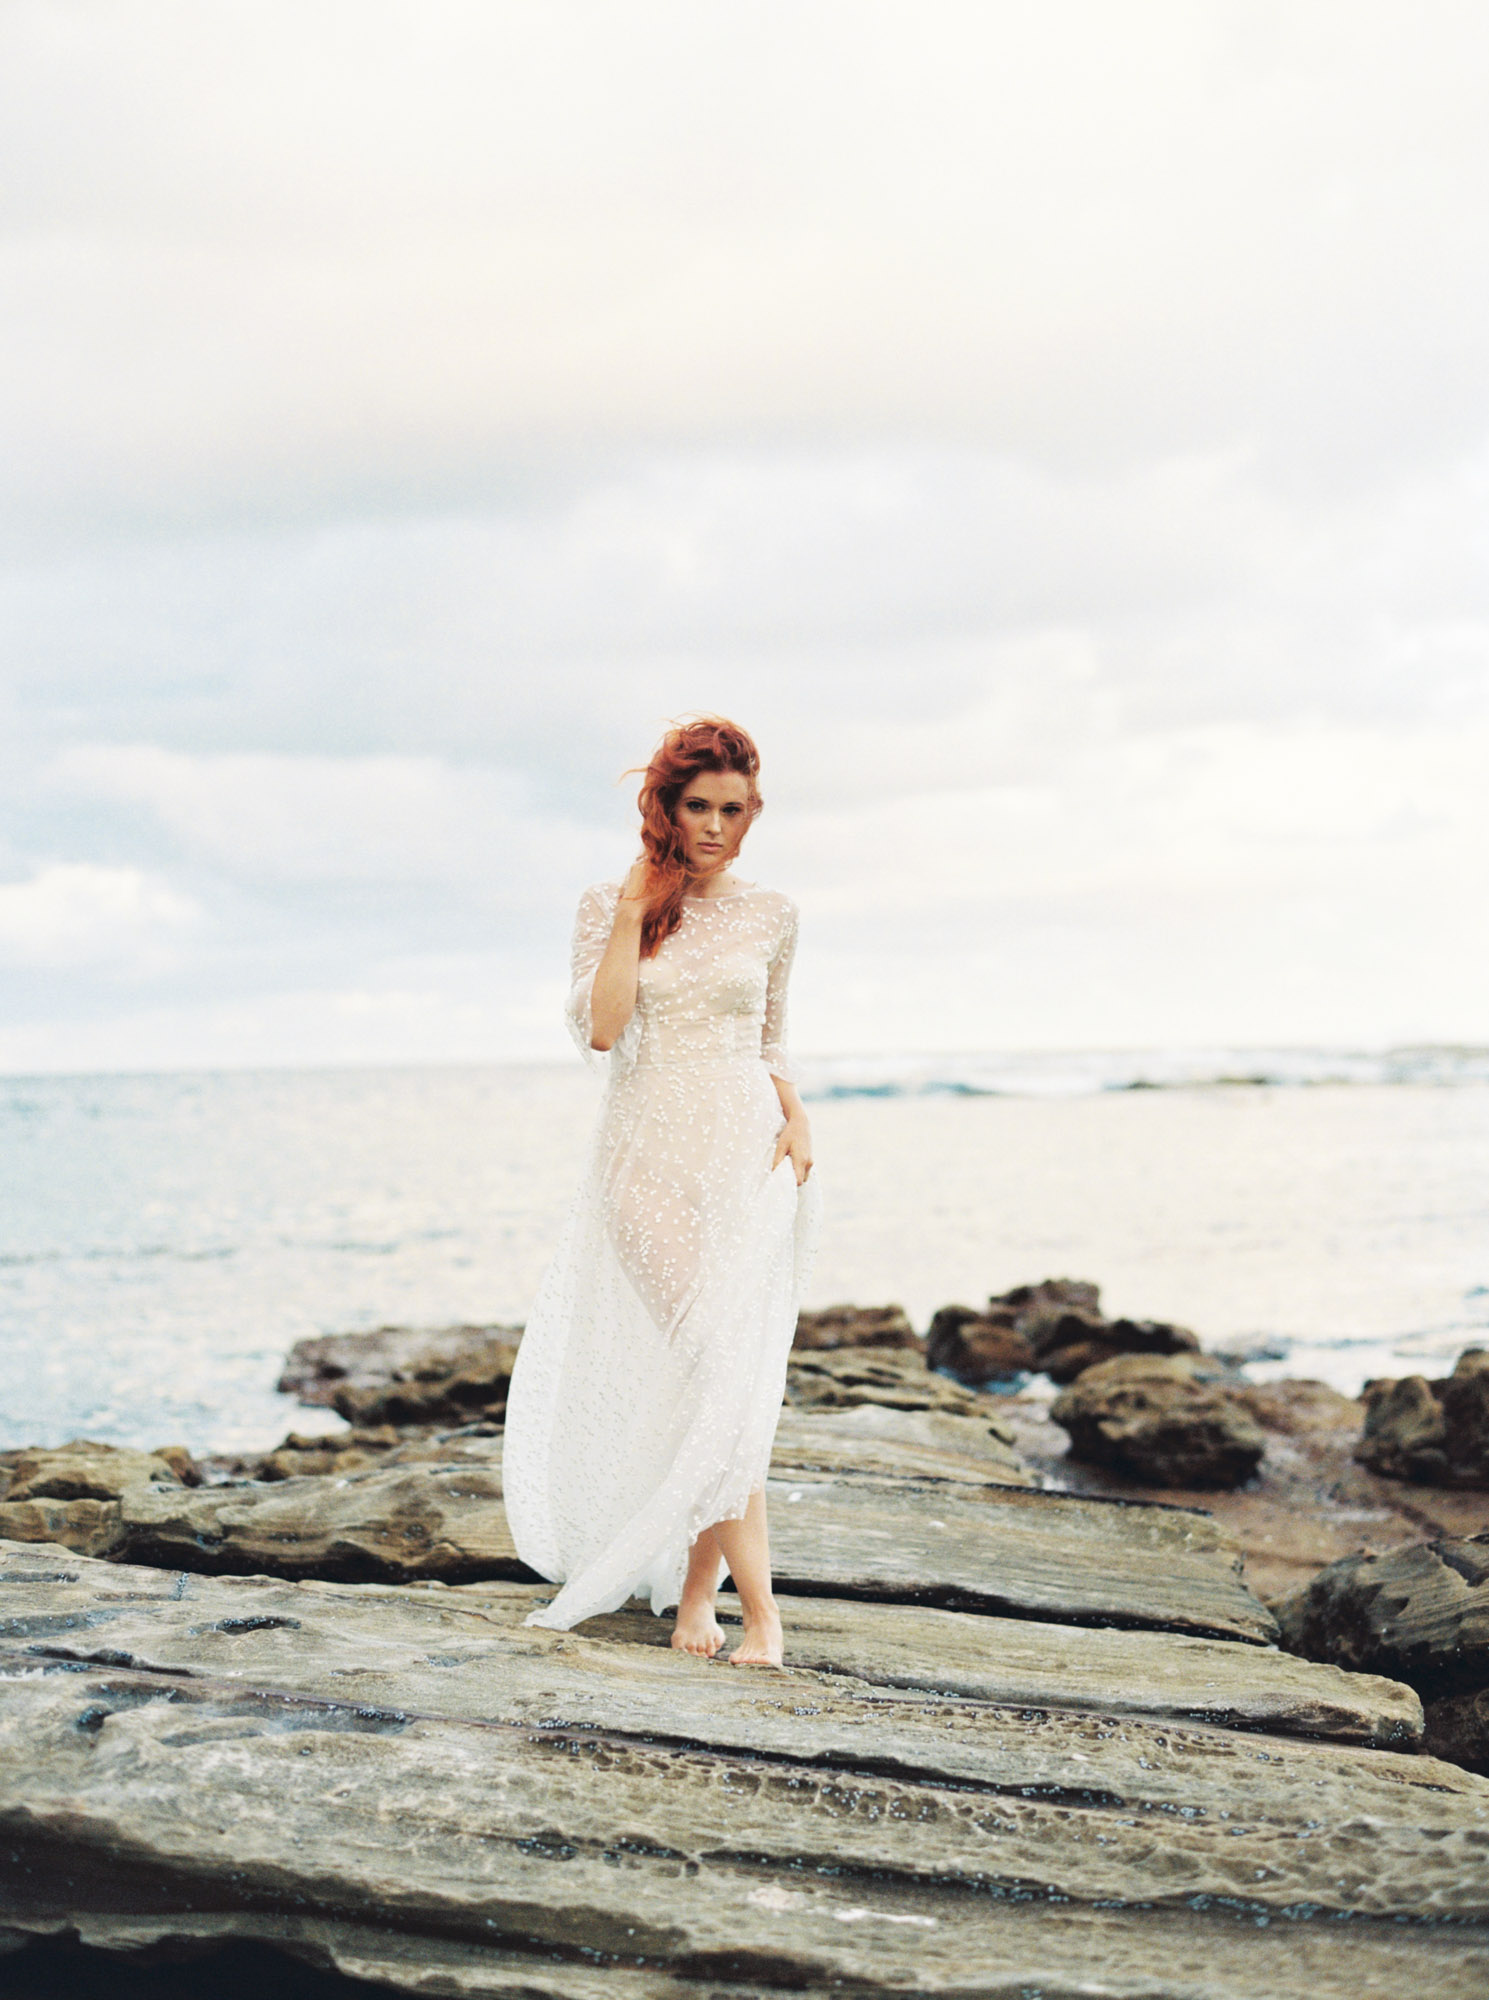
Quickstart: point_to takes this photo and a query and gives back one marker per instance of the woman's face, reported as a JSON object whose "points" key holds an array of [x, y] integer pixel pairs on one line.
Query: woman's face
{"points": [[712, 815]]}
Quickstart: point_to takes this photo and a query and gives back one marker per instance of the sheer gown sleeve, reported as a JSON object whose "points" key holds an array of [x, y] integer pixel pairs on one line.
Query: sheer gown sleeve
{"points": [[592, 928], [773, 1036]]}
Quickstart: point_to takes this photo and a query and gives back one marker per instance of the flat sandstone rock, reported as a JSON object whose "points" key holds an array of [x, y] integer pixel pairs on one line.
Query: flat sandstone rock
{"points": [[245, 1751], [304, 1634], [873, 1441], [1030, 1554], [1030, 1664], [393, 1523], [978, 1547]]}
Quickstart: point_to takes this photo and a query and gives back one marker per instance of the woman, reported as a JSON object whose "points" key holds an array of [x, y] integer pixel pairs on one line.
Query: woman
{"points": [[649, 1380]]}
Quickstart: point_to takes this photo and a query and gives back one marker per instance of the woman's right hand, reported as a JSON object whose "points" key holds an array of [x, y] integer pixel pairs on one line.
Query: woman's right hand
{"points": [[634, 888]]}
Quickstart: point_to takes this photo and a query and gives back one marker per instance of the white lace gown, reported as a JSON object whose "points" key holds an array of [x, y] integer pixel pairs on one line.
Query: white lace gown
{"points": [[649, 1381]]}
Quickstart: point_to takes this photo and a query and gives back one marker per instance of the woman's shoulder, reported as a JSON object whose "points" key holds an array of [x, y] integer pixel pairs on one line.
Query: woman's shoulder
{"points": [[772, 899], [778, 912], [597, 905]]}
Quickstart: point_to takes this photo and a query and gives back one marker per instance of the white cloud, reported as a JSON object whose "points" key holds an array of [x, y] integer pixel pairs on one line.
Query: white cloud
{"points": [[278, 258], [305, 819], [82, 915], [1060, 433]]}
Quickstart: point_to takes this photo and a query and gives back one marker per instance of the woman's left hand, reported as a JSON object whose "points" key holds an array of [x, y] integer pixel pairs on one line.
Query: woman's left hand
{"points": [[794, 1141]]}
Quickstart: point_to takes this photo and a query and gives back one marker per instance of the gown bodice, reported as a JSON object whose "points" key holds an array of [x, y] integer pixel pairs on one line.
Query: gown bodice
{"points": [[714, 992]]}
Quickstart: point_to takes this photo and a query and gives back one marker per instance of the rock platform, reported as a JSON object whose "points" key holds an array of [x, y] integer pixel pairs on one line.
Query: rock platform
{"points": [[407, 1783], [1027, 1742]]}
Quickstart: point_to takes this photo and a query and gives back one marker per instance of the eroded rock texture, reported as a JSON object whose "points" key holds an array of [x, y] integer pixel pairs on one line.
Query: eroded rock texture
{"points": [[1025, 1742], [1458, 1729], [1433, 1432], [409, 1782], [1056, 1327], [978, 1347], [316, 1370], [1164, 1420], [856, 1326], [1419, 1614], [74, 1493], [898, 1379]]}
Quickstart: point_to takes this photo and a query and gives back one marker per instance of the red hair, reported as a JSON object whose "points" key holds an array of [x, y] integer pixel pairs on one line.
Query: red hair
{"points": [[698, 743]]}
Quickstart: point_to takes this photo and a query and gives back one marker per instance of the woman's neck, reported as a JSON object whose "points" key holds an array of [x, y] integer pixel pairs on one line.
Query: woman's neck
{"points": [[712, 885]]}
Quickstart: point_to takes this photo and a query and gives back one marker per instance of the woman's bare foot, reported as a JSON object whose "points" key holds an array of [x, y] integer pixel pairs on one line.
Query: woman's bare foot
{"points": [[763, 1644], [697, 1630]]}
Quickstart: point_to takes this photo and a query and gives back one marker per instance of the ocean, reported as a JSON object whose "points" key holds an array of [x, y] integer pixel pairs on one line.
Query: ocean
{"points": [[165, 1238]]}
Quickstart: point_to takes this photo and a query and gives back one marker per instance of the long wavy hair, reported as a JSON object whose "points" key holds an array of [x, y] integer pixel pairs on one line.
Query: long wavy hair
{"points": [[696, 743]]}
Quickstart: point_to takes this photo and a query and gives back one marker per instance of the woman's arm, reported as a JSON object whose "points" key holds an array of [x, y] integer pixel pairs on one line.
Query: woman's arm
{"points": [[613, 999], [795, 1136]]}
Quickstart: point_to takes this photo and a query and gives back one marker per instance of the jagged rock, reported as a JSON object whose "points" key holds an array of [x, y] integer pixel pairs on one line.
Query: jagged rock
{"points": [[1033, 1304], [71, 1494], [855, 1326], [897, 1378], [1296, 1407], [1404, 1431], [466, 1805], [977, 1347], [1457, 1729], [1165, 1420], [316, 1369], [1072, 1343], [1419, 1614], [1066, 1331], [432, 1389], [85, 1470], [396, 1522], [1465, 1409], [1435, 1433], [346, 1451]]}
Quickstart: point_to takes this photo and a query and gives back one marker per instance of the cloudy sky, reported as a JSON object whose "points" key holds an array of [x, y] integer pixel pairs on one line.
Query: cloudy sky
{"points": [[1060, 431]]}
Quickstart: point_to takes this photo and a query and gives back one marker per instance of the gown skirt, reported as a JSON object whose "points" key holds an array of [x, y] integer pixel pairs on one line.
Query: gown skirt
{"points": [[650, 1376]]}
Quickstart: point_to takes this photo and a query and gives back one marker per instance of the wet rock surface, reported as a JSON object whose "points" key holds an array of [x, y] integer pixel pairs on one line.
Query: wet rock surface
{"points": [[1026, 1740], [1161, 1419], [1418, 1613], [1039, 1555], [1435, 1433], [408, 1784]]}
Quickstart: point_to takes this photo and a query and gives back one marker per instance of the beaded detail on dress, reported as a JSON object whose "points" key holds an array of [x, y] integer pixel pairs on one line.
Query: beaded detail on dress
{"points": [[649, 1381]]}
